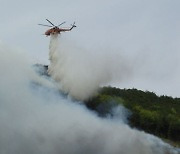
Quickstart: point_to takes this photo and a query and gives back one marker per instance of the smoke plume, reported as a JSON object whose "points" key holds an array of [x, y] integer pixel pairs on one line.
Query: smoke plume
{"points": [[36, 118], [79, 72]]}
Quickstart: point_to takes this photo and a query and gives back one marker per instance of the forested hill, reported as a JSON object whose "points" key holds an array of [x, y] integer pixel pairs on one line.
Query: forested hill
{"points": [[158, 115]]}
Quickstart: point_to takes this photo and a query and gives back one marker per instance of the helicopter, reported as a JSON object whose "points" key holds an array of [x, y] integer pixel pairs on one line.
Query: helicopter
{"points": [[55, 29]]}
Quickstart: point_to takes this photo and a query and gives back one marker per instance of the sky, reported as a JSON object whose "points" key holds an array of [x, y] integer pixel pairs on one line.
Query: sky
{"points": [[146, 34]]}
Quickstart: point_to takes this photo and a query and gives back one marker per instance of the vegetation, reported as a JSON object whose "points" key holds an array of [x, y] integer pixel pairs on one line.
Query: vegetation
{"points": [[158, 115]]}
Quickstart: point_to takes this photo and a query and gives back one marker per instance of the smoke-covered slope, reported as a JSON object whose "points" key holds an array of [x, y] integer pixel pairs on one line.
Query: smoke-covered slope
{"points": [[158, 115], [36, 118]]}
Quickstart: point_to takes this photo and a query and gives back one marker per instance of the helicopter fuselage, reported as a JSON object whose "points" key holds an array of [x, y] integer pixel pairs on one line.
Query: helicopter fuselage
{"points": [[56, 30]]}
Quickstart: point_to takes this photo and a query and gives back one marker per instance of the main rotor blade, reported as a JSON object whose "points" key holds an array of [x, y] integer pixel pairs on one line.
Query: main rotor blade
{"points": [[45, 25], [73, 25], [61, 23], [50, 22]]}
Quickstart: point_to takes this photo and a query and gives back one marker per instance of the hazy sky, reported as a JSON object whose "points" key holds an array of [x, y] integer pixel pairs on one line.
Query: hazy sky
{"points": [[145, 32]]}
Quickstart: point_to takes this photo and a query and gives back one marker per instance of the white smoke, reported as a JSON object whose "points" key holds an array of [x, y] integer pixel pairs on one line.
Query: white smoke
{"points": [[36, 119], [79, 72]]}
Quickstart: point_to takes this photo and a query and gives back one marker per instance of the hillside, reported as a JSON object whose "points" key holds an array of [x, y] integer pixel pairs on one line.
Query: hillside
{"points": [[158, 115]]}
